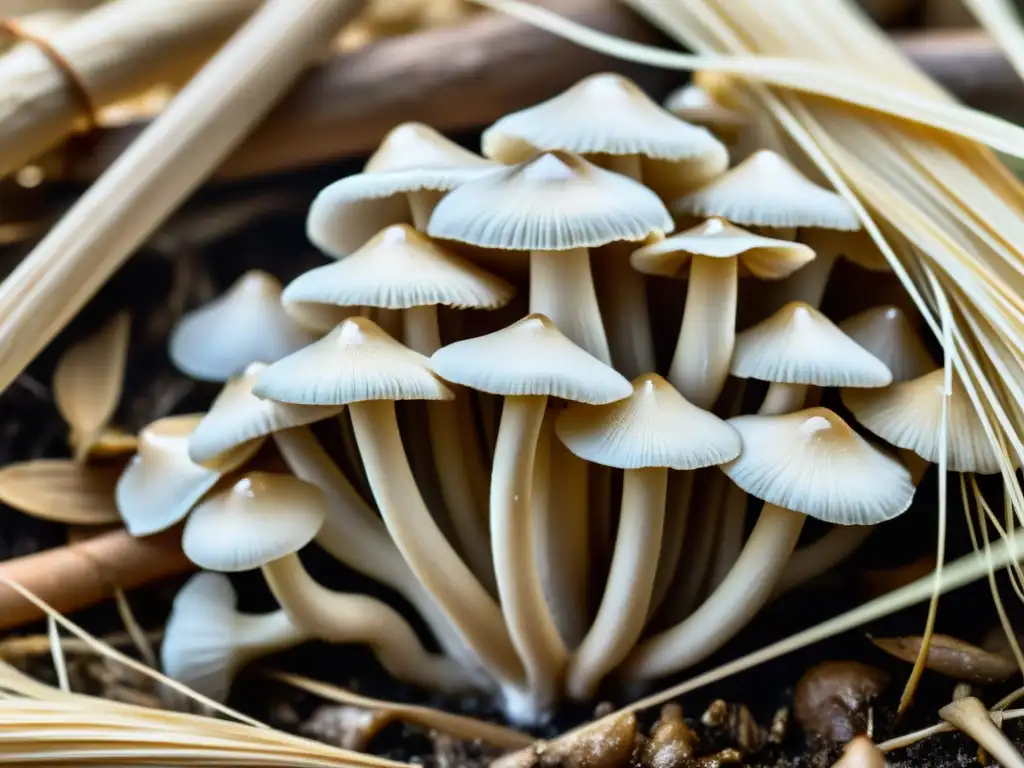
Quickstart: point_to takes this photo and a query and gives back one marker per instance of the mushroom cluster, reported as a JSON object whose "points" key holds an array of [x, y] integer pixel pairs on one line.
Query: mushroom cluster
{"points": [[534, 508]]}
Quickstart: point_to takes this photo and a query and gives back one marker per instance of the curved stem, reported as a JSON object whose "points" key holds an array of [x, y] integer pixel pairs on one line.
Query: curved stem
{"points": [[525, 610], [436, 565], [971, 717], [783, 398], [562, 287], [680, 496], [346, 618], [259, 635], [707, 336], [729, 541], [623, 612], [730, 607], [421, 205]]}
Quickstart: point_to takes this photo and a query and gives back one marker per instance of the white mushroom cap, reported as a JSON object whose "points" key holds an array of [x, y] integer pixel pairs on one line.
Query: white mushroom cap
{"points": [[400, 268], [887, 333], [695, 104], [161, 483], [812, 462], [555, 202], [356, 361], [909, 415], [764, 257], [766, 190], [245, 325], [261, 518], [799, 345], [606, 114], [237, 416], [412, 158], [654, 427], [530, 357]]}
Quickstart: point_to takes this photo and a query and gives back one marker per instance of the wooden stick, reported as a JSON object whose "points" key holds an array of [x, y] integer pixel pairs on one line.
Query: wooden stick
{"points": [[116, 50], [78, 575], [160, 169]]}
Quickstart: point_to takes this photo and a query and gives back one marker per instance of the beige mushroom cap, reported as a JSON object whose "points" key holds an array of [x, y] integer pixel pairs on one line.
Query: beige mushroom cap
{"points": [[799, 345], [400, 268], [261, 518], [237, 416], [555, 202], [606, 114], [768, 191], [412, 158], [909, 415], [356, 361], [530, 357], [764, 257], [812, 462], [695, 104], [654, 427], [887, 333], [245, 325], [161, 483], [860, 752]]}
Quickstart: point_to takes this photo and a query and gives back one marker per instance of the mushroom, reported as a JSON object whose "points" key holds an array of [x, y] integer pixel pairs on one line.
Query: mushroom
{"points": [[359, 365], [206, 641], [527, 363], [401, 182], [646, 434], [860, 752], [555, 206], [831, 699], [713, 251], [694, 104], [608, 119], [352, 532], [970, 716], [953, 658], [262, 521], [808, 463], [245, 325], [161, 483], [400, 269]]}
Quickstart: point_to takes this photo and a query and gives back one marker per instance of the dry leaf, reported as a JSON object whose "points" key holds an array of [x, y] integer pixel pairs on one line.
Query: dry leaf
{"points": [[110, 444], [62, 490], [88, 380], [953, 658]]}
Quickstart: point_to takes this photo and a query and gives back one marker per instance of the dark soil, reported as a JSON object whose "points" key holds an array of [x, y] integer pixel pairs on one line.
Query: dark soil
{"points": [[175, 273]]}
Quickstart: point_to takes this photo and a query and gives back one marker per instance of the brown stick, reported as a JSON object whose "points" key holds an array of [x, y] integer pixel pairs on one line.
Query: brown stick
{"points": [[82, 574]]}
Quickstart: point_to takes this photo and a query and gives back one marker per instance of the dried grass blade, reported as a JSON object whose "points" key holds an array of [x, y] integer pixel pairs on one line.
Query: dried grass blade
{"points": [[62, 490]]}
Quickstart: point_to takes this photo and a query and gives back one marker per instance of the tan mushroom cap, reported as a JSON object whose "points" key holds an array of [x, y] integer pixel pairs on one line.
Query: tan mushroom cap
{"points": [[413, 157], [887, 333], [767, 190], [555, 202], [356, 361], [812, 462], [695, 104], [764, 257], [237, 416], [606, 114], [399, 268], [245, 325], [799, 345], [654, 427], [261, 518], [909, 415], [530, 357], [161, 483]]}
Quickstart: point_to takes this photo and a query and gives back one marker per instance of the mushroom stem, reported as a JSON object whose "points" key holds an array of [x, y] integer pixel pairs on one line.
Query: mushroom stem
{"points": [[783, 398], [475, 615], [262, 634], [345, 618], [623, 611], [810, 281], [562, 287], [971, 717], [461, 475], [729, 541], [421, 205], [680, 495], [707, 336], [530, 623], [739, 597]]}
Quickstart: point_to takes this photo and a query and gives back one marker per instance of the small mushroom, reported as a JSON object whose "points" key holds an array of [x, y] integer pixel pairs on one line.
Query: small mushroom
{"points": [[206, 641], [527, 363], [555, 206], [245, 325], [830, 700], [808, 463], [887, 333], [860, 752], [713, 252], [401, 182], [161, 484], [694, 104], [646, 434], [971, 717], [953, 658]]}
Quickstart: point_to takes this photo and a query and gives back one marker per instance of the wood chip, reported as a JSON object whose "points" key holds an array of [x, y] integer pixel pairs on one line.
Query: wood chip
{"points": [[62, 490]]}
